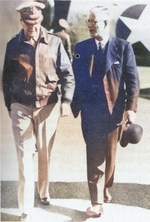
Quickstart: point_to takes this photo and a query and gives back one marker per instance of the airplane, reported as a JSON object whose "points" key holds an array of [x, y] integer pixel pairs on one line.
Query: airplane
{"points": [[129, 20]]}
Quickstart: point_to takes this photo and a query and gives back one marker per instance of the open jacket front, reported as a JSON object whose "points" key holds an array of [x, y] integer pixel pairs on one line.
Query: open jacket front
{"points": [[121, 81], [31, 76]]}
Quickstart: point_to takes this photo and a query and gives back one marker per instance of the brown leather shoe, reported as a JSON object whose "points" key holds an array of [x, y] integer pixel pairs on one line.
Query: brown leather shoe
{"points": [[107, 196], [95, 210]]}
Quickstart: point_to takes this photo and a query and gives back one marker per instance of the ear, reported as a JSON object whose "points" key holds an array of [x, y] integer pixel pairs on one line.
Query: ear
{"points": [[105, 23], [21, 21]]}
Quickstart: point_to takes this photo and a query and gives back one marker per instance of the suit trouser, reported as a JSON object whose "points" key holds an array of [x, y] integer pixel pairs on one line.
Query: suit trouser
{"points": [[101, 165], [113, 138], [96, 162], [29, 123]]}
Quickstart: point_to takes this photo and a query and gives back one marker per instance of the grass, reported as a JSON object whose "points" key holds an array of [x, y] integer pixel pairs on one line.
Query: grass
{"points": [[145, 93], [8, 217]]}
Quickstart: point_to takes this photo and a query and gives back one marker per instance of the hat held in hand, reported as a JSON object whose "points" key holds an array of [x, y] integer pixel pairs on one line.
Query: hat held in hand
{"points": [[132, 133]]}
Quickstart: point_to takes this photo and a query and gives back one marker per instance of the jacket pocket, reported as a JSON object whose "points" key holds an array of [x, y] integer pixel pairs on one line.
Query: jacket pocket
{"points": [[48, 68], [116, 70]]}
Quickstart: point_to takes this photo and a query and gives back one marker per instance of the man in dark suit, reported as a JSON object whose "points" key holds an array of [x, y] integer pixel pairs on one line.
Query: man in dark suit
{"points": [[107, 89]]}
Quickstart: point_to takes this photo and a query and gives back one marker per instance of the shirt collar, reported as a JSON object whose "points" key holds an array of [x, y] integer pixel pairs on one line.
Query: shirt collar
{"points": [[42, 36], [103, 42]]}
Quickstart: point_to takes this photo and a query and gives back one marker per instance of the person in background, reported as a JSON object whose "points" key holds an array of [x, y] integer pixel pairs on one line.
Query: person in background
{"points": [[106, 93], [63, 30], [48, 13], [38, 86]]}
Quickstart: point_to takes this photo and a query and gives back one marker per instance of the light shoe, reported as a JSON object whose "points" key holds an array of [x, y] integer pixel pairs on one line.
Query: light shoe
{"points": [[95, 210]]}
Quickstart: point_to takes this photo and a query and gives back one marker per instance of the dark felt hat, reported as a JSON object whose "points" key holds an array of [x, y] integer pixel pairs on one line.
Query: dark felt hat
{"points": [[132, 133]]}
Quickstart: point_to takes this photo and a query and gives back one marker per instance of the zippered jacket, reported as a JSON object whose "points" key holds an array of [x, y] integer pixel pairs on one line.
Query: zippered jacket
{"points": [[35, 79]]}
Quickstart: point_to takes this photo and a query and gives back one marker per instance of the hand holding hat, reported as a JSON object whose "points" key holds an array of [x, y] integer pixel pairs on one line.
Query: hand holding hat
{"points": [[132, 133]]}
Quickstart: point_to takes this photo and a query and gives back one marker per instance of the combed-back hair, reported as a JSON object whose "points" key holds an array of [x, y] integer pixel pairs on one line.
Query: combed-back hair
{"points": [[101, 9]]}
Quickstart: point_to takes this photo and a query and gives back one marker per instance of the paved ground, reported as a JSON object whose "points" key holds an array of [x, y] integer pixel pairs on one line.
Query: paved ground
{"points": [[68, 187]]}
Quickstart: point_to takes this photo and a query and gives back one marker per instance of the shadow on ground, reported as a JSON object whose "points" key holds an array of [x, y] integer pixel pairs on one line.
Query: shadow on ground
{"points": [[125, 194], [145, 93], [135, 195]]}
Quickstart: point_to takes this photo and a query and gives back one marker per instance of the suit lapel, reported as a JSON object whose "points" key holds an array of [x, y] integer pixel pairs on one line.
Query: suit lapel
{"points": [[92, 46], [111, 86], [112, 54]]}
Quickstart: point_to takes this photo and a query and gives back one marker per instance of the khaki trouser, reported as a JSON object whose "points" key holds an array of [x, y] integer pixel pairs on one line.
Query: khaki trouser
{"points": [[29, 123]]}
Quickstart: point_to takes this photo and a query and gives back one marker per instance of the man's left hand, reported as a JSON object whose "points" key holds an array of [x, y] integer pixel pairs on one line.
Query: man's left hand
{"points": [[65, 109], [131, 116]]}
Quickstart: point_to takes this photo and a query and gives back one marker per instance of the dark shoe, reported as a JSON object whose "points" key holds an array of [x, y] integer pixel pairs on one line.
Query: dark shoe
{"points": [[107, 196], [25, 218], [94, 211], [45, 201]]}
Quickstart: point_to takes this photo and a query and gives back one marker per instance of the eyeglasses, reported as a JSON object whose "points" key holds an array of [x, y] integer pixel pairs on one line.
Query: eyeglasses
{"points": [[92, 22]]}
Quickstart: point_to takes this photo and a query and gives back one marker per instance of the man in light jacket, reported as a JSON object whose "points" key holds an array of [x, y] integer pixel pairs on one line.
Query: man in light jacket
{"points": [[38, 86]]}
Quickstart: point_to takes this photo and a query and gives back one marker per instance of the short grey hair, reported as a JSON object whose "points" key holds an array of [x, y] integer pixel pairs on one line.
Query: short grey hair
{"points": [[101, 9]]}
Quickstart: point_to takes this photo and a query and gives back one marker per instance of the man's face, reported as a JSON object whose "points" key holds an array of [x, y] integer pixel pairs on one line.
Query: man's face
{"points": [[96, 25], [30, 31]]}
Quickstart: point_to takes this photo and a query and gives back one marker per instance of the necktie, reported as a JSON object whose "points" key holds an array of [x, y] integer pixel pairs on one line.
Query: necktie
{"points": [[99, 46]]}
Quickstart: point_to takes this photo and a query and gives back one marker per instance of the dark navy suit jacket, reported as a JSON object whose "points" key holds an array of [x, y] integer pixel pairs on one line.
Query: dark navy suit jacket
{"points": [[120, 81]]}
